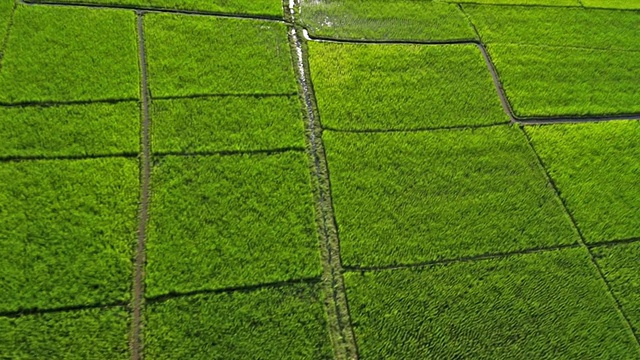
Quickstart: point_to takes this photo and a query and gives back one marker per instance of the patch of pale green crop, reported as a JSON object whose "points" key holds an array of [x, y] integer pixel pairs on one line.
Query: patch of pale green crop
{"points": [[550, 305], [225, 221], [74, 335], [555, 81], [385, 20], [403, 198], [612, 4], [70, 54], [67, 232], [402, 86], [226, 124], [597, 170], [75, 130], [195, 55], [269, 323]]}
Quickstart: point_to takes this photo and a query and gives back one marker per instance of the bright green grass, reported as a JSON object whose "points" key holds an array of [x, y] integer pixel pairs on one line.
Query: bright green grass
{"points": [[269, 323], [402, 86], [77, 335], [385, 20], [544, 81], [549, 305], [597, 170], [522, 2], [70, 54], [253, 7], [191, 55], [225, 221], [621, 268], [612, 4], [67, 232], [557, 26], [403, 198], [76, 130], [226, 124], [6, 8]]}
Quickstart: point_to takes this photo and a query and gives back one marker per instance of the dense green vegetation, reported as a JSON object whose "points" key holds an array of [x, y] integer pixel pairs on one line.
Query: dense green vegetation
{"points": [[225, 221], [70, 54], [269, 323], [402, 86], [596, 167], [67, 232], [621, 268], [545, 81], [6, 8], [550, 305], [415, 197], [77, 335], [612, 4], [254, 7], [95, 129], [607, 29], [523, 2], [251, 56], [388, 20], [226, 123]]}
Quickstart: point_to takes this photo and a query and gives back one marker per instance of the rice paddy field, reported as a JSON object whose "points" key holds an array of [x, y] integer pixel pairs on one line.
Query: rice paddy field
{"points": [[319, 179]]}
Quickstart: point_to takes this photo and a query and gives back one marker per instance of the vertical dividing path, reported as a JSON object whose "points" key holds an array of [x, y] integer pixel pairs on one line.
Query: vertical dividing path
{"points": [[342, 335], [583, 244], [145, 177]]}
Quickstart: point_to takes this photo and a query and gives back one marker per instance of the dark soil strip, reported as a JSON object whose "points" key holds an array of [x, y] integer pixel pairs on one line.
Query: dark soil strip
{"points": [[65, 103], [613, 243], [437, 128], [213, 96], [246, 288], [581, 236], [460, 260], [336, 305], [36, 311], [145, 178], [66, 157], [233, 152], [156, 10]]}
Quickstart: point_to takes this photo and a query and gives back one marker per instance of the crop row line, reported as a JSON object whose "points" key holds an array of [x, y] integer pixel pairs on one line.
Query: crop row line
{"points": [[62, 309], [613, 242], [582, 240], [143, 9]]}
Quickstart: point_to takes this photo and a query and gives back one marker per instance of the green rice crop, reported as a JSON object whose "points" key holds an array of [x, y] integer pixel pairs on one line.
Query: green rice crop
{"points": [[403, 198], [612, 4], [70, 54], [250, 56], [596, 168], [6, 8], [227, 123], [67, 232], [557, 26], [226, 221], [402, 86], [621, 268], [550, 305], [77, 130], [77, 335], [252, 7], [268, 323], [523, 2], [546, 81], [385, 20]]}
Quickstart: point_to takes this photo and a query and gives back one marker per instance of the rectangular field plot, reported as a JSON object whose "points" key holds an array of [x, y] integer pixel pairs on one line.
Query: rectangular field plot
{"points": [[550, 305], [544, 81], [75, 130], [403, 198], [252, 7], [557, 26], [70, 54], [73, 335], [193, 55], [67, 232], [596, 168], [226, 124], [269, 323], [402, 86], [612, 4], [227, 221], [385, 20], [621, 268]]}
